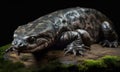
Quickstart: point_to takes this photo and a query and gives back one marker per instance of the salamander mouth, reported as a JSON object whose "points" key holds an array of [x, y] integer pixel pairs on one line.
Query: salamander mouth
{"points": [[32, 48]]}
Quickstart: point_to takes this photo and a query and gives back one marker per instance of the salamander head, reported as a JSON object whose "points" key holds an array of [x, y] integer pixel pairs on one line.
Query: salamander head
{"points": [[28, 43], [28, 38]]}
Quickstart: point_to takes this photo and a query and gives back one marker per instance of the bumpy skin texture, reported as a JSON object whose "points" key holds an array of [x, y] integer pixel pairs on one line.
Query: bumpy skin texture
{"points": [[80, 26]]}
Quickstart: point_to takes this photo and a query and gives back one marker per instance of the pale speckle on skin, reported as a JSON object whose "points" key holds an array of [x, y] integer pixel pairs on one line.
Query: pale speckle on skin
{"points": [[30, 24], [15, 35], [20, 29], [25, 37], [82, 31], [82, 9], [23, 30], [31, 31], [76, 14], [39, 25], [106, 24]]}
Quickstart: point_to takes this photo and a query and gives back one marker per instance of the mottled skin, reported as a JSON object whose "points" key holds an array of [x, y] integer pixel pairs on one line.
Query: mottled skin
{"points": [[79, 26]]}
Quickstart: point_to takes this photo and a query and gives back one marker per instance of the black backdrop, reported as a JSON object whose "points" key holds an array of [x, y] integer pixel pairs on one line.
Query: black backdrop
{"points": [[18, 12]]}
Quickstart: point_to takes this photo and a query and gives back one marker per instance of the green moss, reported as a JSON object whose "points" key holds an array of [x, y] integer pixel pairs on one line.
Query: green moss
{"points": [[92, 65], [106, 63], [101, 65], [109, 58], [111, 61], [3, 48], [82, 68], [53, 66], [95, 63], [8, 66]]}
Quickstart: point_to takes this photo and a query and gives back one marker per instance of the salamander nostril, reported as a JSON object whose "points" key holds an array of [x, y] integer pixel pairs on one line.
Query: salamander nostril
{"points": [[18, 43], [21, 44], [14, 42]]}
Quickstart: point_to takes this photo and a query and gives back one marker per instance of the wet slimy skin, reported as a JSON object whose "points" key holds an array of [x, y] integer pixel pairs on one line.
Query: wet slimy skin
{"points": [[83, 26]]}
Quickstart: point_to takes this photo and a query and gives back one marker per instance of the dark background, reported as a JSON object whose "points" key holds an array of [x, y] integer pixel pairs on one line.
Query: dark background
{"points": [[19, 12]]}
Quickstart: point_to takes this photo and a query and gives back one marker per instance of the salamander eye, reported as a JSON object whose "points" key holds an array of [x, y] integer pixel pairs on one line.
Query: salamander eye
{"points": [[31, 40]]}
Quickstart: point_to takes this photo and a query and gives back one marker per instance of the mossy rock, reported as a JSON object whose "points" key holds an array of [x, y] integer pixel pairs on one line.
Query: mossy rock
{"points": [[55, 61]]}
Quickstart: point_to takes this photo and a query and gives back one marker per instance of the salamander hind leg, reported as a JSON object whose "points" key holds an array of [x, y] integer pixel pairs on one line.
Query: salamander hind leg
{"points": [[110, 38], [76, 45]]}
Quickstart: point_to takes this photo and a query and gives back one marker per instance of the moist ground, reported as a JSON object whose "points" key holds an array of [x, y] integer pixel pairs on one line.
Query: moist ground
{"points": [[96, 52]]}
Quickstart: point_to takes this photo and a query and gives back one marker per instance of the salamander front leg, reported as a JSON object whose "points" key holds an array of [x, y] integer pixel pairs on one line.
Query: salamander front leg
{"points": [[76, 49], [76, 39]]}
